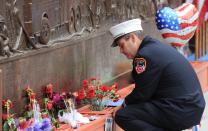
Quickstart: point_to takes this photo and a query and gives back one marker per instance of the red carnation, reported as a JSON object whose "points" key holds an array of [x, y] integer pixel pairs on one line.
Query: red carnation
{"points": [[81, 95], [32, 96], [93, 78], [85, 87], [90, 93], [4, 117], [85, 82], [50, 105], [104, 88]]}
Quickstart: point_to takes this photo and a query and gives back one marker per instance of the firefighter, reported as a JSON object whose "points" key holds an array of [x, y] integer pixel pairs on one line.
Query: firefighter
{"points": [[167, 94]]}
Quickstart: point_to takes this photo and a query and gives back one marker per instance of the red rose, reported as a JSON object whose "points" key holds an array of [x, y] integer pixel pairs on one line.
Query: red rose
{"points": [[50, 105], [49, 89]]}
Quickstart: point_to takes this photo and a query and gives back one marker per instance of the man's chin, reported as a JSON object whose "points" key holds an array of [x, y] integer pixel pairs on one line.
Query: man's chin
{"points": [[128, 57]]}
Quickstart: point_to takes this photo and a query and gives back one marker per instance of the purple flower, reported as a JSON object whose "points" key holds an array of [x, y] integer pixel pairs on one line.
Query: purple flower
{"points": [[46, 124], [31, 129], [56, 98], [37, 127]]}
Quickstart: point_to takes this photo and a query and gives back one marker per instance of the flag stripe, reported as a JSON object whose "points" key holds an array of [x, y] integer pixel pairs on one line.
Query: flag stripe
{"points": [[185, 11], [183, 37], [176, 44], [196, 16], [184, 25], [180, 32], [175, 40], [182, 7]]}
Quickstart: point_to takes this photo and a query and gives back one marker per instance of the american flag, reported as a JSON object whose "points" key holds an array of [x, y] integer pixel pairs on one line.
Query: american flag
{"points": [[202, 6], [177, 26]]}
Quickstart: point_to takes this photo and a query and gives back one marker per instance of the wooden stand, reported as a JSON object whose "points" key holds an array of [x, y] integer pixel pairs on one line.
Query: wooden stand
{"points": [[201, 69], [99, 124], [96, 125]]}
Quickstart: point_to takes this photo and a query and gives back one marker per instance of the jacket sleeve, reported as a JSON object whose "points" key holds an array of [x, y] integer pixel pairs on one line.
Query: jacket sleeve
{"points": [[146, 83]]}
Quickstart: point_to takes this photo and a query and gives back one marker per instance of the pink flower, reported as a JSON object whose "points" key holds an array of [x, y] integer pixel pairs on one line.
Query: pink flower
{"points": [[56, 98]]}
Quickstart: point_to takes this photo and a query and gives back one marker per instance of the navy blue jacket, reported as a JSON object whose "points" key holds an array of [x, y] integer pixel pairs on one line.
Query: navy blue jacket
{"points": [[164, 78]]}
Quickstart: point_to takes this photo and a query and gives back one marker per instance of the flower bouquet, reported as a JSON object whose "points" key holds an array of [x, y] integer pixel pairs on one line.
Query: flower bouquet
{"points": [[7, 118], [62, 106], [95, 93], [33, 119]]}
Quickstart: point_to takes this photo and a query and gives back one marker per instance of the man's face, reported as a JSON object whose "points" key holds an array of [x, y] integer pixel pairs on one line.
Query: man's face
{"points": [[127, 46]]}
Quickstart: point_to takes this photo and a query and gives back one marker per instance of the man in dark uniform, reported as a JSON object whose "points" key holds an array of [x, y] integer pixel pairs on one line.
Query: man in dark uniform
{"points": [[167, 94]]}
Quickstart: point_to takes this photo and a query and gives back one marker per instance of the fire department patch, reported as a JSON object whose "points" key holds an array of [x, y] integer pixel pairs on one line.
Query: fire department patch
{"points": [[140, 65]]}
